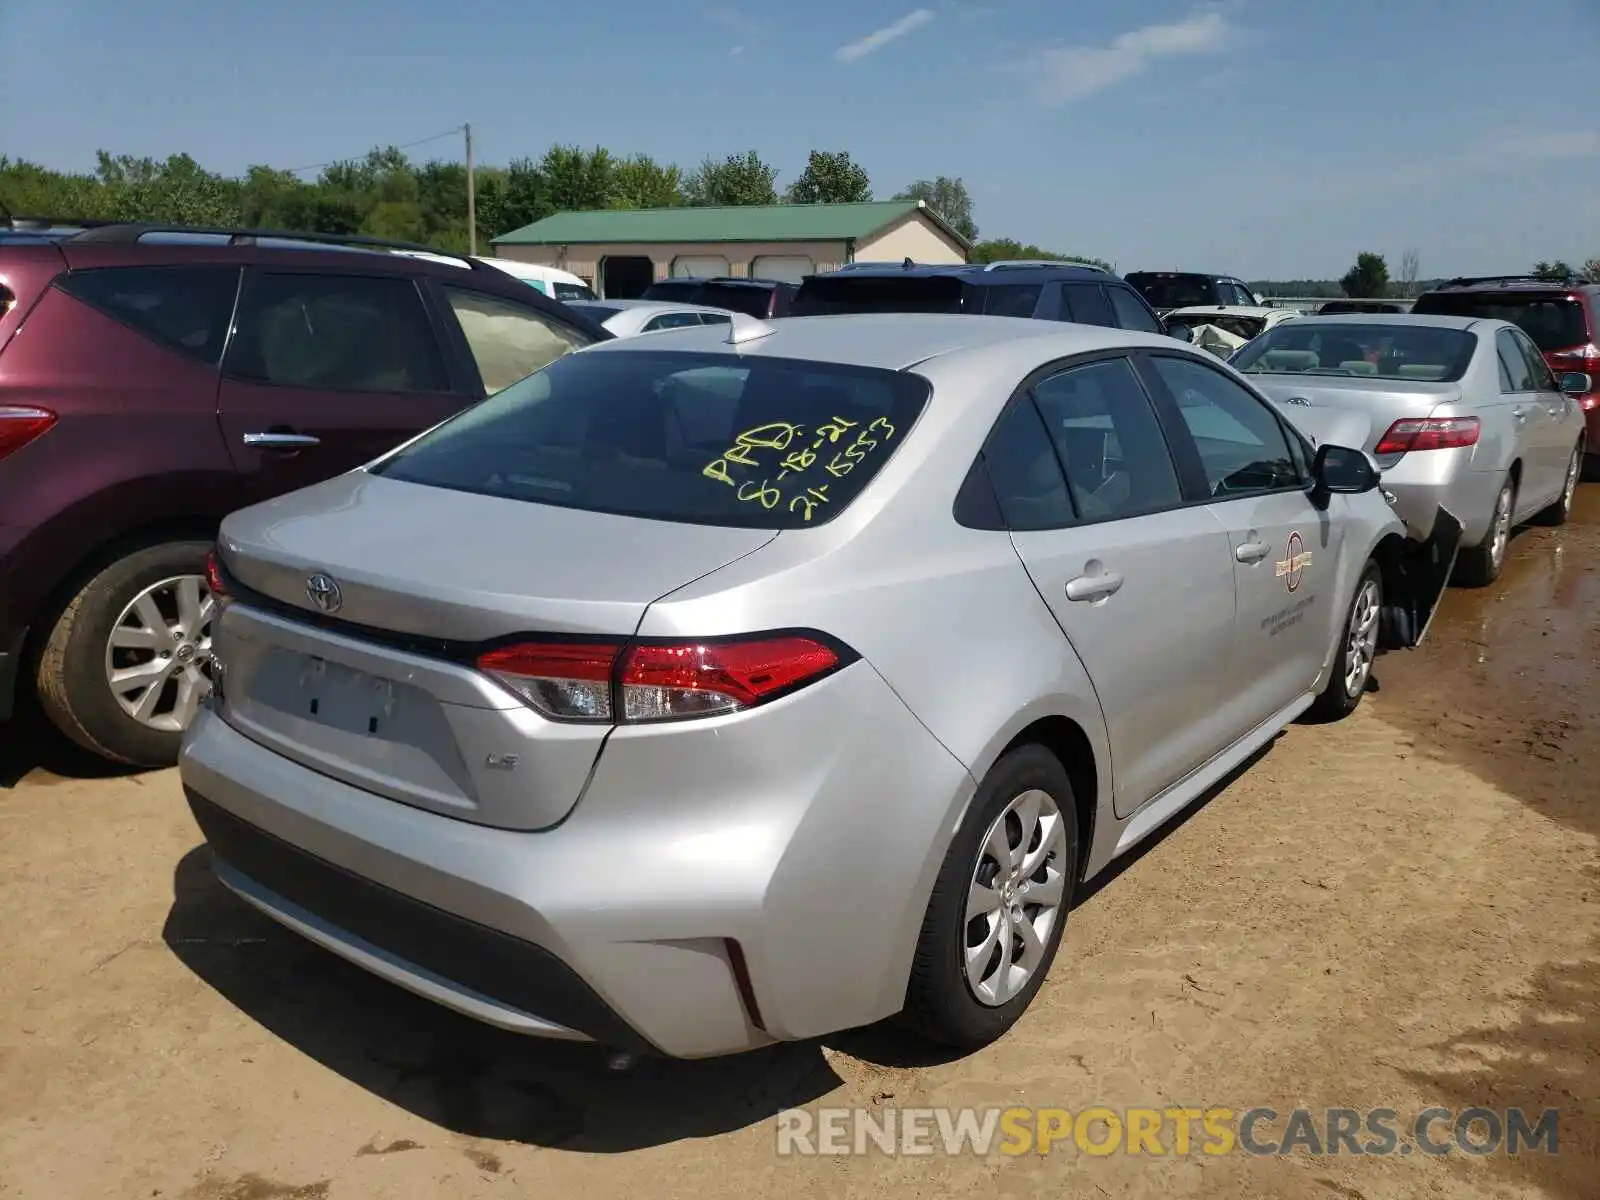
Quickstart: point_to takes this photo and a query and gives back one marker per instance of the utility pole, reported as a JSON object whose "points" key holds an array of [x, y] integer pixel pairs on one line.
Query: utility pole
{"points": [[472, 198]]}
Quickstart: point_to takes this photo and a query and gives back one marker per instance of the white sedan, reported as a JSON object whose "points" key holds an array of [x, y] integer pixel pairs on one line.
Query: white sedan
{"points": [[1222, 330], [625, 318]]}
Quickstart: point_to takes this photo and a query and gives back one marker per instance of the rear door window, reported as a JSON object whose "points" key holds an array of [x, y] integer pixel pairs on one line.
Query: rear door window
{"points": [[714, 439], [187, 309], [336, 333], [1086, 304], [1110, 441], [1131, 312], [508, 342], [1012, 300], [1513, 363]]}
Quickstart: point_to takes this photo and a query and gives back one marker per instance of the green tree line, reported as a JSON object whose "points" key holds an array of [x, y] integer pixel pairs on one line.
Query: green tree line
{"points": [[386, 194]]}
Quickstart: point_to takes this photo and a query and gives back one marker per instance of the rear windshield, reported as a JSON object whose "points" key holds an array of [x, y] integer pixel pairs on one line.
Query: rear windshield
{"points": [[1165, 290], [752, 301], [1382, 351], [711, 439], [1553, 322], [1333, 307], [830, 294]]}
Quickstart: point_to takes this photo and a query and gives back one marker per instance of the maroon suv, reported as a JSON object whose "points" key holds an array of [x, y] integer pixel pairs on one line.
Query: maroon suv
{"points": [[151, 381], [1561, 316]]}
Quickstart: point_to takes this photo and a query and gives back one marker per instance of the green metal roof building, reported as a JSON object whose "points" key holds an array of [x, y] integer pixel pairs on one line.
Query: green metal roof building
{"points": [[621, 251]]}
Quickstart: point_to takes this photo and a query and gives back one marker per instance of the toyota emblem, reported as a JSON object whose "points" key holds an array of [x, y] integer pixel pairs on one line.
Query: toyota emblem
{"points": [[324, 593]]}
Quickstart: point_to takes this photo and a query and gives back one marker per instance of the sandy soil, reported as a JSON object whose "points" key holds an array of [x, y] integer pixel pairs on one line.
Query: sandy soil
{"points": [[1402, 910]]}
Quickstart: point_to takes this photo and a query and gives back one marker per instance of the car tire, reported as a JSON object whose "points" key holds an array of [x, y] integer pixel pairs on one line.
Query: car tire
{"points": [[77, 659], [1558, 512], [1480, 565], [943, 1004], [1358, 648]]}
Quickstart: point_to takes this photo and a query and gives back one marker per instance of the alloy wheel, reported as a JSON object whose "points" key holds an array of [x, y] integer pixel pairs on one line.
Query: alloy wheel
{"points": [[1361, 645], [1014, 898], [158, 657], [1501, 530]]}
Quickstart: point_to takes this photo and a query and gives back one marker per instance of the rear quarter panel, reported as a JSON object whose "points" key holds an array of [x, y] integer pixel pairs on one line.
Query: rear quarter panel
{"points": [[137, 445]]}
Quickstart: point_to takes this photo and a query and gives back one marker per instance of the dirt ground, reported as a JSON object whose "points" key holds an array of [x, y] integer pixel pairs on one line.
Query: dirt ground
{"points": [[1402, 910]]}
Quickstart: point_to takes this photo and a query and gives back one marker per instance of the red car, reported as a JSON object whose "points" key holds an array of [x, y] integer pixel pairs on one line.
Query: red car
{"points": [[153, 380], [1561, 316]]}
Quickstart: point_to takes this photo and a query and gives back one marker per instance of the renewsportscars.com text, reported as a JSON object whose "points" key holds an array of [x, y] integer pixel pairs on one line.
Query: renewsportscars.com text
{"points": [[1101, 1130]]}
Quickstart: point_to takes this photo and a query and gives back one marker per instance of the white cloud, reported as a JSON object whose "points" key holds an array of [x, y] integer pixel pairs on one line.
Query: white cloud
{"points": [[879, 38], [1073, 72]]}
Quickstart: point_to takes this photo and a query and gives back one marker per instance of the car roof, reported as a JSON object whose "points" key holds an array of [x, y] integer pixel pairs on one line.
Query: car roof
{"points": [[890, 341], [1231, 310], [977, 274], [1199, 274], [647, 307], [1413, 320], [1513, 283], [723, 281]]}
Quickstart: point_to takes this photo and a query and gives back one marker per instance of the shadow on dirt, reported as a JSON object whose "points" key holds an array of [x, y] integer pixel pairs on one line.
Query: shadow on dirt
{"points": [[30, 747], [1508, 686], [483, 1082], [455, 1072]]}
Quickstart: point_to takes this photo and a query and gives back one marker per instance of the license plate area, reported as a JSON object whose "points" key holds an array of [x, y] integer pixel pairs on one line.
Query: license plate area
{"points": [[343, 698]]}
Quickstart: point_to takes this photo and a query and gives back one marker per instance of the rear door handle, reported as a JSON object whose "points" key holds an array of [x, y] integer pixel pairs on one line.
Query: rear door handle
{"points": [[281, 441], [1250, 552], [1093, 587]]}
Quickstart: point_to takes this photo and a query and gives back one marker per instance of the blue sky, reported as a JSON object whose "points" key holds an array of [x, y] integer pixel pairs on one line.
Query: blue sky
{"points": [[1272, 138]]}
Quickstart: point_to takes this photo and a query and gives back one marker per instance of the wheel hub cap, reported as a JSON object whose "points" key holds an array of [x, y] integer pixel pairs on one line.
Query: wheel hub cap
{"points": [[1014, 899], [158, 657]]}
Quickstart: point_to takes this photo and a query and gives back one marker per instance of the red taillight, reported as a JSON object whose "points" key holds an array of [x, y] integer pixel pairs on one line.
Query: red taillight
{"points": [[1428, 433], [19, 426], [576, 681], [215, 583], [1578, 358], [696, 680], [570, 681]]}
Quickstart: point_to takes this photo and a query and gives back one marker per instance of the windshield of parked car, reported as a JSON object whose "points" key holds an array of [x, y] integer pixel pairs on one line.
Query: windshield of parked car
{"points": [[737, 297], [572, 291], [824, 295], [1553, 322], [1381, 351], [715, 439], [1170, 290]]}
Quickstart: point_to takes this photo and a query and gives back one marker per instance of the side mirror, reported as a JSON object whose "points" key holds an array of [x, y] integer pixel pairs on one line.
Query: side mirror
{"points": [[1180, 331], [1576, 383], [1344, 471]]}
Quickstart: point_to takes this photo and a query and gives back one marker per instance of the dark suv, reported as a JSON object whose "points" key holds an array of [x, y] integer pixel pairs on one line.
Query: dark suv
{"points": [[1047, 291], [1167, 290], [153, 380], [1562, 317], [761, 298]]}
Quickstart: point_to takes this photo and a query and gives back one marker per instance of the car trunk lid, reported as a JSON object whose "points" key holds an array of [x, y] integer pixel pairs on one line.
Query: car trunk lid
{"points": [[1382, 402], [375, 685]]}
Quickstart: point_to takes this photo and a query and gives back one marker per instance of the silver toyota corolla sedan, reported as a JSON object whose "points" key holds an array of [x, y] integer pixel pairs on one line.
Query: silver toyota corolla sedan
{"points": [[1462, 413], [735, 685]]}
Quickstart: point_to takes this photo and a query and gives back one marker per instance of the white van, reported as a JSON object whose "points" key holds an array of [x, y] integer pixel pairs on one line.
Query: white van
{"points": [[552, 281]]}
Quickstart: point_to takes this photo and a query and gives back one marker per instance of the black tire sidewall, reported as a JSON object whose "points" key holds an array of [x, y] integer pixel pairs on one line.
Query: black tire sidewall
{"points": [[78, 700], [940, 1002]]}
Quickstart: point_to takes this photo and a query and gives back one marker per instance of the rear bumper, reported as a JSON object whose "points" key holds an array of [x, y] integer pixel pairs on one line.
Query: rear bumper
{"points": [[796, 844], [1421, 483]]}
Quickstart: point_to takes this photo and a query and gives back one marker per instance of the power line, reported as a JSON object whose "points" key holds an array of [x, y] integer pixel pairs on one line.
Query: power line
{"points": [[336, 161]]}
